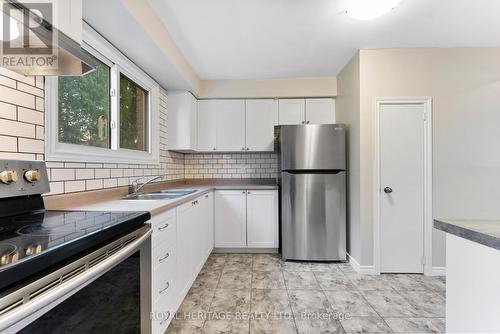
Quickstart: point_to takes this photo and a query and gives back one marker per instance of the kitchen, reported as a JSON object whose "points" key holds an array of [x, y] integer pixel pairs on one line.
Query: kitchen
{"points": [[172, 175]]}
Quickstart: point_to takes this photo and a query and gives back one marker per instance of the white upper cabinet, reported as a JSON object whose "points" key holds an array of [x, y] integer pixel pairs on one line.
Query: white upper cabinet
{"points": [[230, 119], [182, 121], [262, 219], [320, 111], [259, 123], [67, 17], [292, 111], [207, 125], [306, 111]]}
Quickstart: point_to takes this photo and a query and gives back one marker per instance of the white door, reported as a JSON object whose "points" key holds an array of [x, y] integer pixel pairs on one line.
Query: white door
{"points": [[262, 220], [291, 111], [402, 187], [259, 125], [230, 219], [230, 125], [207, 125], [320, 111]]}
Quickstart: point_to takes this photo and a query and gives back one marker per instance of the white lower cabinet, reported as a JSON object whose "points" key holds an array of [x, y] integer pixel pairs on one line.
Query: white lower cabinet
{"points": [[262, 219], [230, 219], [181, 242], [246, 219]]}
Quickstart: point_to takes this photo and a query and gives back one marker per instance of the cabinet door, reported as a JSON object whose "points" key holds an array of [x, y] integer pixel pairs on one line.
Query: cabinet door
{"points": [[207, 125], [262, 219], [292, 111], [320, 111], [182, 121], [230, 125], [207, 221], [186, 254], [259, 125], [230, 219]]}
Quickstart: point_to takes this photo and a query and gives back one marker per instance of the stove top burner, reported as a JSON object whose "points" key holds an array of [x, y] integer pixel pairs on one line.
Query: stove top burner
{"points": [[41, 230]]}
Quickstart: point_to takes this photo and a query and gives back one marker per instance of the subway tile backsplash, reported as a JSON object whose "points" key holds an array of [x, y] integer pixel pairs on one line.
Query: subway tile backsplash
{"points": [[231, 165], [22, 127]]}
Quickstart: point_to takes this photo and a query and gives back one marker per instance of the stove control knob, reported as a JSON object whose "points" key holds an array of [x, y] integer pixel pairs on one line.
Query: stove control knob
{"points": [[32, 175], [8, 176]]}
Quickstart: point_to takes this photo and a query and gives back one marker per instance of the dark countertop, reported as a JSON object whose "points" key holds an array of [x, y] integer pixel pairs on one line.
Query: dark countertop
{"points": [[484, 232]]}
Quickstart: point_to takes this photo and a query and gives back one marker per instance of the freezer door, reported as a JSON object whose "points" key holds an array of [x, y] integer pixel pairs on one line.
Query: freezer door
{"points": [[312, 147], [313, 216]]}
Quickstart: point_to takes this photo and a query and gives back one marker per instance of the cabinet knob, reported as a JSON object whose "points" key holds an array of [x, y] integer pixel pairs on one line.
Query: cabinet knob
{"points": [[303, 122], [247, 148], [307, 122], [242, 148], [248, 192], [243, 192], [215, 149]]}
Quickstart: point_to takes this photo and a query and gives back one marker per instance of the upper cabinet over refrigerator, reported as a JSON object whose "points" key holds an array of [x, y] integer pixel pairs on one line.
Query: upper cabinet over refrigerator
{"points": [[312, 147]]}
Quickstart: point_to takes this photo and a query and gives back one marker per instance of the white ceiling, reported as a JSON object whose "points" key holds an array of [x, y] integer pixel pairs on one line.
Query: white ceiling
{"points": [[250, 39]]}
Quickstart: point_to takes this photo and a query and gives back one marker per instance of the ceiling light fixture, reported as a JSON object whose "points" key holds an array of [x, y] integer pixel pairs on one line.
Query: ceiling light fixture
{"points": [[370, 9]]}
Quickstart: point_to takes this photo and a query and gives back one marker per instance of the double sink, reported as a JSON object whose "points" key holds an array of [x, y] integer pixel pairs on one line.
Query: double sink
{"points": [[163, 194]]}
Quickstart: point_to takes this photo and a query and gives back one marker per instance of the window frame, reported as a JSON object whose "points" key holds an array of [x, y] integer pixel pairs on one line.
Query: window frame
{"points": [[108, 54]]}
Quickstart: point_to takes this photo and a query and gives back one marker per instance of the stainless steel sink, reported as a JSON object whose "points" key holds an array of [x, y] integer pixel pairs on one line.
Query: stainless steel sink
{"points": [[181, 192], [158, 195]]}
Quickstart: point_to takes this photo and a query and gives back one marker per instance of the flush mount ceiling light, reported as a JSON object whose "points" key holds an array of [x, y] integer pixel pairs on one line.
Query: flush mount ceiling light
{"points": [[370, 9]]}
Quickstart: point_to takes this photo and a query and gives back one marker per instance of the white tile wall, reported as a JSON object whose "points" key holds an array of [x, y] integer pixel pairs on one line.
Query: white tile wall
{"points": [[231, 165], [22, 134]]}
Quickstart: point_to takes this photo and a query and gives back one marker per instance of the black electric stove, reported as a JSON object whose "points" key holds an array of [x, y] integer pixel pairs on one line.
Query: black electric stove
{"points": [[34, 240]]}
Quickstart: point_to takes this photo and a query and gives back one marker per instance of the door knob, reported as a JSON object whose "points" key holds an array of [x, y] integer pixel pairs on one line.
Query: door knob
{"points": [[388, 190]]}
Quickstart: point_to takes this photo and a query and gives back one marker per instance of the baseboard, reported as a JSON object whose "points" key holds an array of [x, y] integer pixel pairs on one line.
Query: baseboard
{"points": [[370, 270], [246, 250], [438, 271]]}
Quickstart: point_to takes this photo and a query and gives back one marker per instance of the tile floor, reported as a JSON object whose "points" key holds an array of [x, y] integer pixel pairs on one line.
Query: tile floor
{"points": [[259, 293]]}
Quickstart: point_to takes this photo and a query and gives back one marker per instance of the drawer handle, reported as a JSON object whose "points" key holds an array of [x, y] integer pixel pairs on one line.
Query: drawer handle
{"points": [[165, 288], [164, 258], [206, 196], [161, 228]]}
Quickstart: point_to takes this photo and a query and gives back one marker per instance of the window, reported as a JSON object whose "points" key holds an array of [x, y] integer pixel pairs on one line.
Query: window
{"points": [[108, 115], [84, 107]]}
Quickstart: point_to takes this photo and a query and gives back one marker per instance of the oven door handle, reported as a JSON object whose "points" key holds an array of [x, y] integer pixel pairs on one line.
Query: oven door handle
{"points": [[32, 310]]}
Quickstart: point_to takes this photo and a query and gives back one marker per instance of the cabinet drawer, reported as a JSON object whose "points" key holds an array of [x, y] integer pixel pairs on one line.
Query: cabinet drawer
{"points": [[164, 313], [163, 275], [164, 229]]}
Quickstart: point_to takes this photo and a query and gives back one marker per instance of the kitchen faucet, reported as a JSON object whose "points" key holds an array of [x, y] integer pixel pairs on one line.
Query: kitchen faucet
{"points": [[136, 186]]}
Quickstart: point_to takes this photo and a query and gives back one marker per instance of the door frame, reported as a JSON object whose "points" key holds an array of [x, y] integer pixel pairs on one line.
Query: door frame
{"points": [[428, 220]]}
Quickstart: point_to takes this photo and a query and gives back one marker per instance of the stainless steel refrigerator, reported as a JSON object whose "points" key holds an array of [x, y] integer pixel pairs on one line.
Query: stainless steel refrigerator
{"points": [[313, 192]]}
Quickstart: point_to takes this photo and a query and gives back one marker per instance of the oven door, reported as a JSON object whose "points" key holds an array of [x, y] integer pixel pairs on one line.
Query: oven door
{"points": [[107, 291]]}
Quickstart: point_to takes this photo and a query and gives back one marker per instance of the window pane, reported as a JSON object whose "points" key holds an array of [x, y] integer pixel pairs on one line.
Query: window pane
{"points": [[133, 115], [84, 107]]}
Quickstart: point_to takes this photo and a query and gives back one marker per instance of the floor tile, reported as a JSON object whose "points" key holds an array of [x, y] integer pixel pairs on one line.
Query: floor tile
{"points": [[435, 283], [296, 266], [390, 303], [267, 262], [271, 326], [207, 279], [300, 280], [427, 303], [349, 303], [240, 259], [304, 302], [365, 325], [319, 326], [439, 323], [271, 301], [235, 279], [226, 300], [402, 282], [412, 325], [368, 282], [268, 280], [346, 267], [333, 281], [178, 326], [197, 300], [224, 326], [324, 266]]}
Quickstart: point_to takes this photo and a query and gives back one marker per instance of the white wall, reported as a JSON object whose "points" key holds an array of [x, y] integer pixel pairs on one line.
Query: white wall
{"points": [[347, 111], [464, 84]]}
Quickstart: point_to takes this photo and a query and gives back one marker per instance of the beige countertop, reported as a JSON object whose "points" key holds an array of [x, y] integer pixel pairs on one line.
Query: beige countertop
{"points": [[115, 202]]}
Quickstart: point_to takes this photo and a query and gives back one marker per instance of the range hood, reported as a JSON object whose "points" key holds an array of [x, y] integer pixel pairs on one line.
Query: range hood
{"points": [[60, 55]]}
